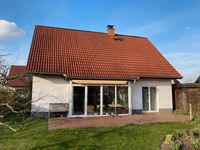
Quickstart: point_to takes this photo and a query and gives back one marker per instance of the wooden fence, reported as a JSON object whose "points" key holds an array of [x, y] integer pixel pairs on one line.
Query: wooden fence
{"points": [[185, 94]]}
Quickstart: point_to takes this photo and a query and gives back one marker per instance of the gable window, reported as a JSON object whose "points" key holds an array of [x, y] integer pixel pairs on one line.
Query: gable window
{"points": [[149, 98]]}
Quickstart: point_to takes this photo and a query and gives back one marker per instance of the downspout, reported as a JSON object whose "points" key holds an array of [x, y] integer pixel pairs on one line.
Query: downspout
{"points": [[134, 81], [65, 76], [130, 94], [70, 95]]}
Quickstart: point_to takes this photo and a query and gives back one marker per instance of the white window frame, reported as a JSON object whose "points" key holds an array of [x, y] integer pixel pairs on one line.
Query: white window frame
{"points": [[85, 101], [149, 99], [101, 100]]}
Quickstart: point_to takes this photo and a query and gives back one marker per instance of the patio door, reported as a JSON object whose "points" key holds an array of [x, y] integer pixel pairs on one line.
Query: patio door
{"points": [[93, 102], [78, 100], [99, 100], [122, 99], [149, 99]]}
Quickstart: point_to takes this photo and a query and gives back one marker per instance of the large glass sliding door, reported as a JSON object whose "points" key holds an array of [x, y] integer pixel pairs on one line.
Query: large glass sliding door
{"points": [[115, 97], [90, 100], [149, 99], [145, 98], [93, 103], [153, 98], [78, 100], [108, 99], [122, 100]]}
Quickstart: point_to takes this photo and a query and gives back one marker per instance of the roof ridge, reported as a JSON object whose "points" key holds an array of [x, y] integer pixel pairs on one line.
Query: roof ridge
{"points": [[136, 36], [89, 31]]}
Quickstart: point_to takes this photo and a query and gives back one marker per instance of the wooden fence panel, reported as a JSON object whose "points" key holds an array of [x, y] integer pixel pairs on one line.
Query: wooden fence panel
{"points": [[185, 94]]}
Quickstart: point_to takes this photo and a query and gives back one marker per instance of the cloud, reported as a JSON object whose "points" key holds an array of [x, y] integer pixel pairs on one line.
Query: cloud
{"points": [[185, 58], [21, 57], [15, 54], [151, 29], [9, 30], [187, 28], [187, 63], [189, 42], [184, 55]]}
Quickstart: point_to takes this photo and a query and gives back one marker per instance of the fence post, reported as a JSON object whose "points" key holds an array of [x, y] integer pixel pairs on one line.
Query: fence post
{"points": [[190, 105]]}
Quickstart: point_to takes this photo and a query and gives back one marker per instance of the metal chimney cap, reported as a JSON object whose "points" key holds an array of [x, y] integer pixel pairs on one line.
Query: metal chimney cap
{"points": [[110, 26]]}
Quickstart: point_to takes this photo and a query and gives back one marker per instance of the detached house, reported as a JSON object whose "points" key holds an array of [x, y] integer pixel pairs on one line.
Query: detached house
{"points": [[19, 80], [94, 72]]}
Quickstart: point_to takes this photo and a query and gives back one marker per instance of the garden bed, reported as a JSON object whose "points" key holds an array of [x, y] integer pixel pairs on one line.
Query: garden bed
{"points": [[185, 140]]}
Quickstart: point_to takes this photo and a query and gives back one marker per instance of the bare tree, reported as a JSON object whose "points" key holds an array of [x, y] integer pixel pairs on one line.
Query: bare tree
{"points": [[3, 70], [10, 101]]}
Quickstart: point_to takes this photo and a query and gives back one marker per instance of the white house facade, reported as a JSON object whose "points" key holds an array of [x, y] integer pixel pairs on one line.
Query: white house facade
{"points": [[141, 95]]}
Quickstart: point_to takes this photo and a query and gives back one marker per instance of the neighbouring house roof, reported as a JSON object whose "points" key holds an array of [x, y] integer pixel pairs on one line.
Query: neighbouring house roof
{"points": [[197, 80], [16, 76], [82, 54]]}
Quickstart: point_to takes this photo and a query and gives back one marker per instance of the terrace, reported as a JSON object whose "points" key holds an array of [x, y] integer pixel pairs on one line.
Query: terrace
{"points": [[85, 122]]}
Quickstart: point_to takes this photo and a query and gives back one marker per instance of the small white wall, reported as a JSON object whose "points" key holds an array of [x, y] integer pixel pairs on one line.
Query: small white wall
{"points": [[48, 89], [164, 93]]}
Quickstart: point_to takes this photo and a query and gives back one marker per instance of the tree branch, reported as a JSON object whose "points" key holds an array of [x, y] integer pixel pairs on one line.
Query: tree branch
{"points": [[6, 125], [11, 108]]}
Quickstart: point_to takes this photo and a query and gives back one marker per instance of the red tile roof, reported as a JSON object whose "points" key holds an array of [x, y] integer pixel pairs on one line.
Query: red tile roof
{"points": [[95, 55], [17, 73]]}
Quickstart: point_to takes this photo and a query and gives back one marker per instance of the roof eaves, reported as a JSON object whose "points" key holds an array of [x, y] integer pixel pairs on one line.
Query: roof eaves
{"points": [[162, 77], [44, 73], [102, 78]]}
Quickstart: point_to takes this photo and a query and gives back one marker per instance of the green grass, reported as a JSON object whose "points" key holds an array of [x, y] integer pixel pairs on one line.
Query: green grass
{"points": [[181, 112], [34, 135]]}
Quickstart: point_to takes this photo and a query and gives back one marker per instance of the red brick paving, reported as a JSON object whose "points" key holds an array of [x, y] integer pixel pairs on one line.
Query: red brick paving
{"points": [[59, 123]]}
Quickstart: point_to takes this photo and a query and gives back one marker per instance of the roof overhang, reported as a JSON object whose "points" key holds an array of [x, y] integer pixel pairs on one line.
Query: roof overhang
{"points": [[103, 78], [162, 77], [82, 77]]}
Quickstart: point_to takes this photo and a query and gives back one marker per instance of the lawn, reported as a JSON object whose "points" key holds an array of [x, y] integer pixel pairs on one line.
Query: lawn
{"points": [[34, 135]]}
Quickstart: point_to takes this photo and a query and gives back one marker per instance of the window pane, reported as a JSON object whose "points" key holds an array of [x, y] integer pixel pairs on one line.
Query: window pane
{"points": [[122, 100], [108, 99], [93, 107], [78, 100], [145, 99], [153, 98]]}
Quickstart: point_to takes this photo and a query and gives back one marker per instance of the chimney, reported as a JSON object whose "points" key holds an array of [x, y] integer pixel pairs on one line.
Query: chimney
{"points": [[110, 30]]}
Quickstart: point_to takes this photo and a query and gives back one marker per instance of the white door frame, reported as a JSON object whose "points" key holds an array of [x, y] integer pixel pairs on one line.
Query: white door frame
{"points": [[101, 99], [85, 100], [149, 99]]}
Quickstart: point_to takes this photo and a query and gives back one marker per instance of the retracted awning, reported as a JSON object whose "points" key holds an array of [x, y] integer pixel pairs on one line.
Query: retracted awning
{"points": [[99, 82]]}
